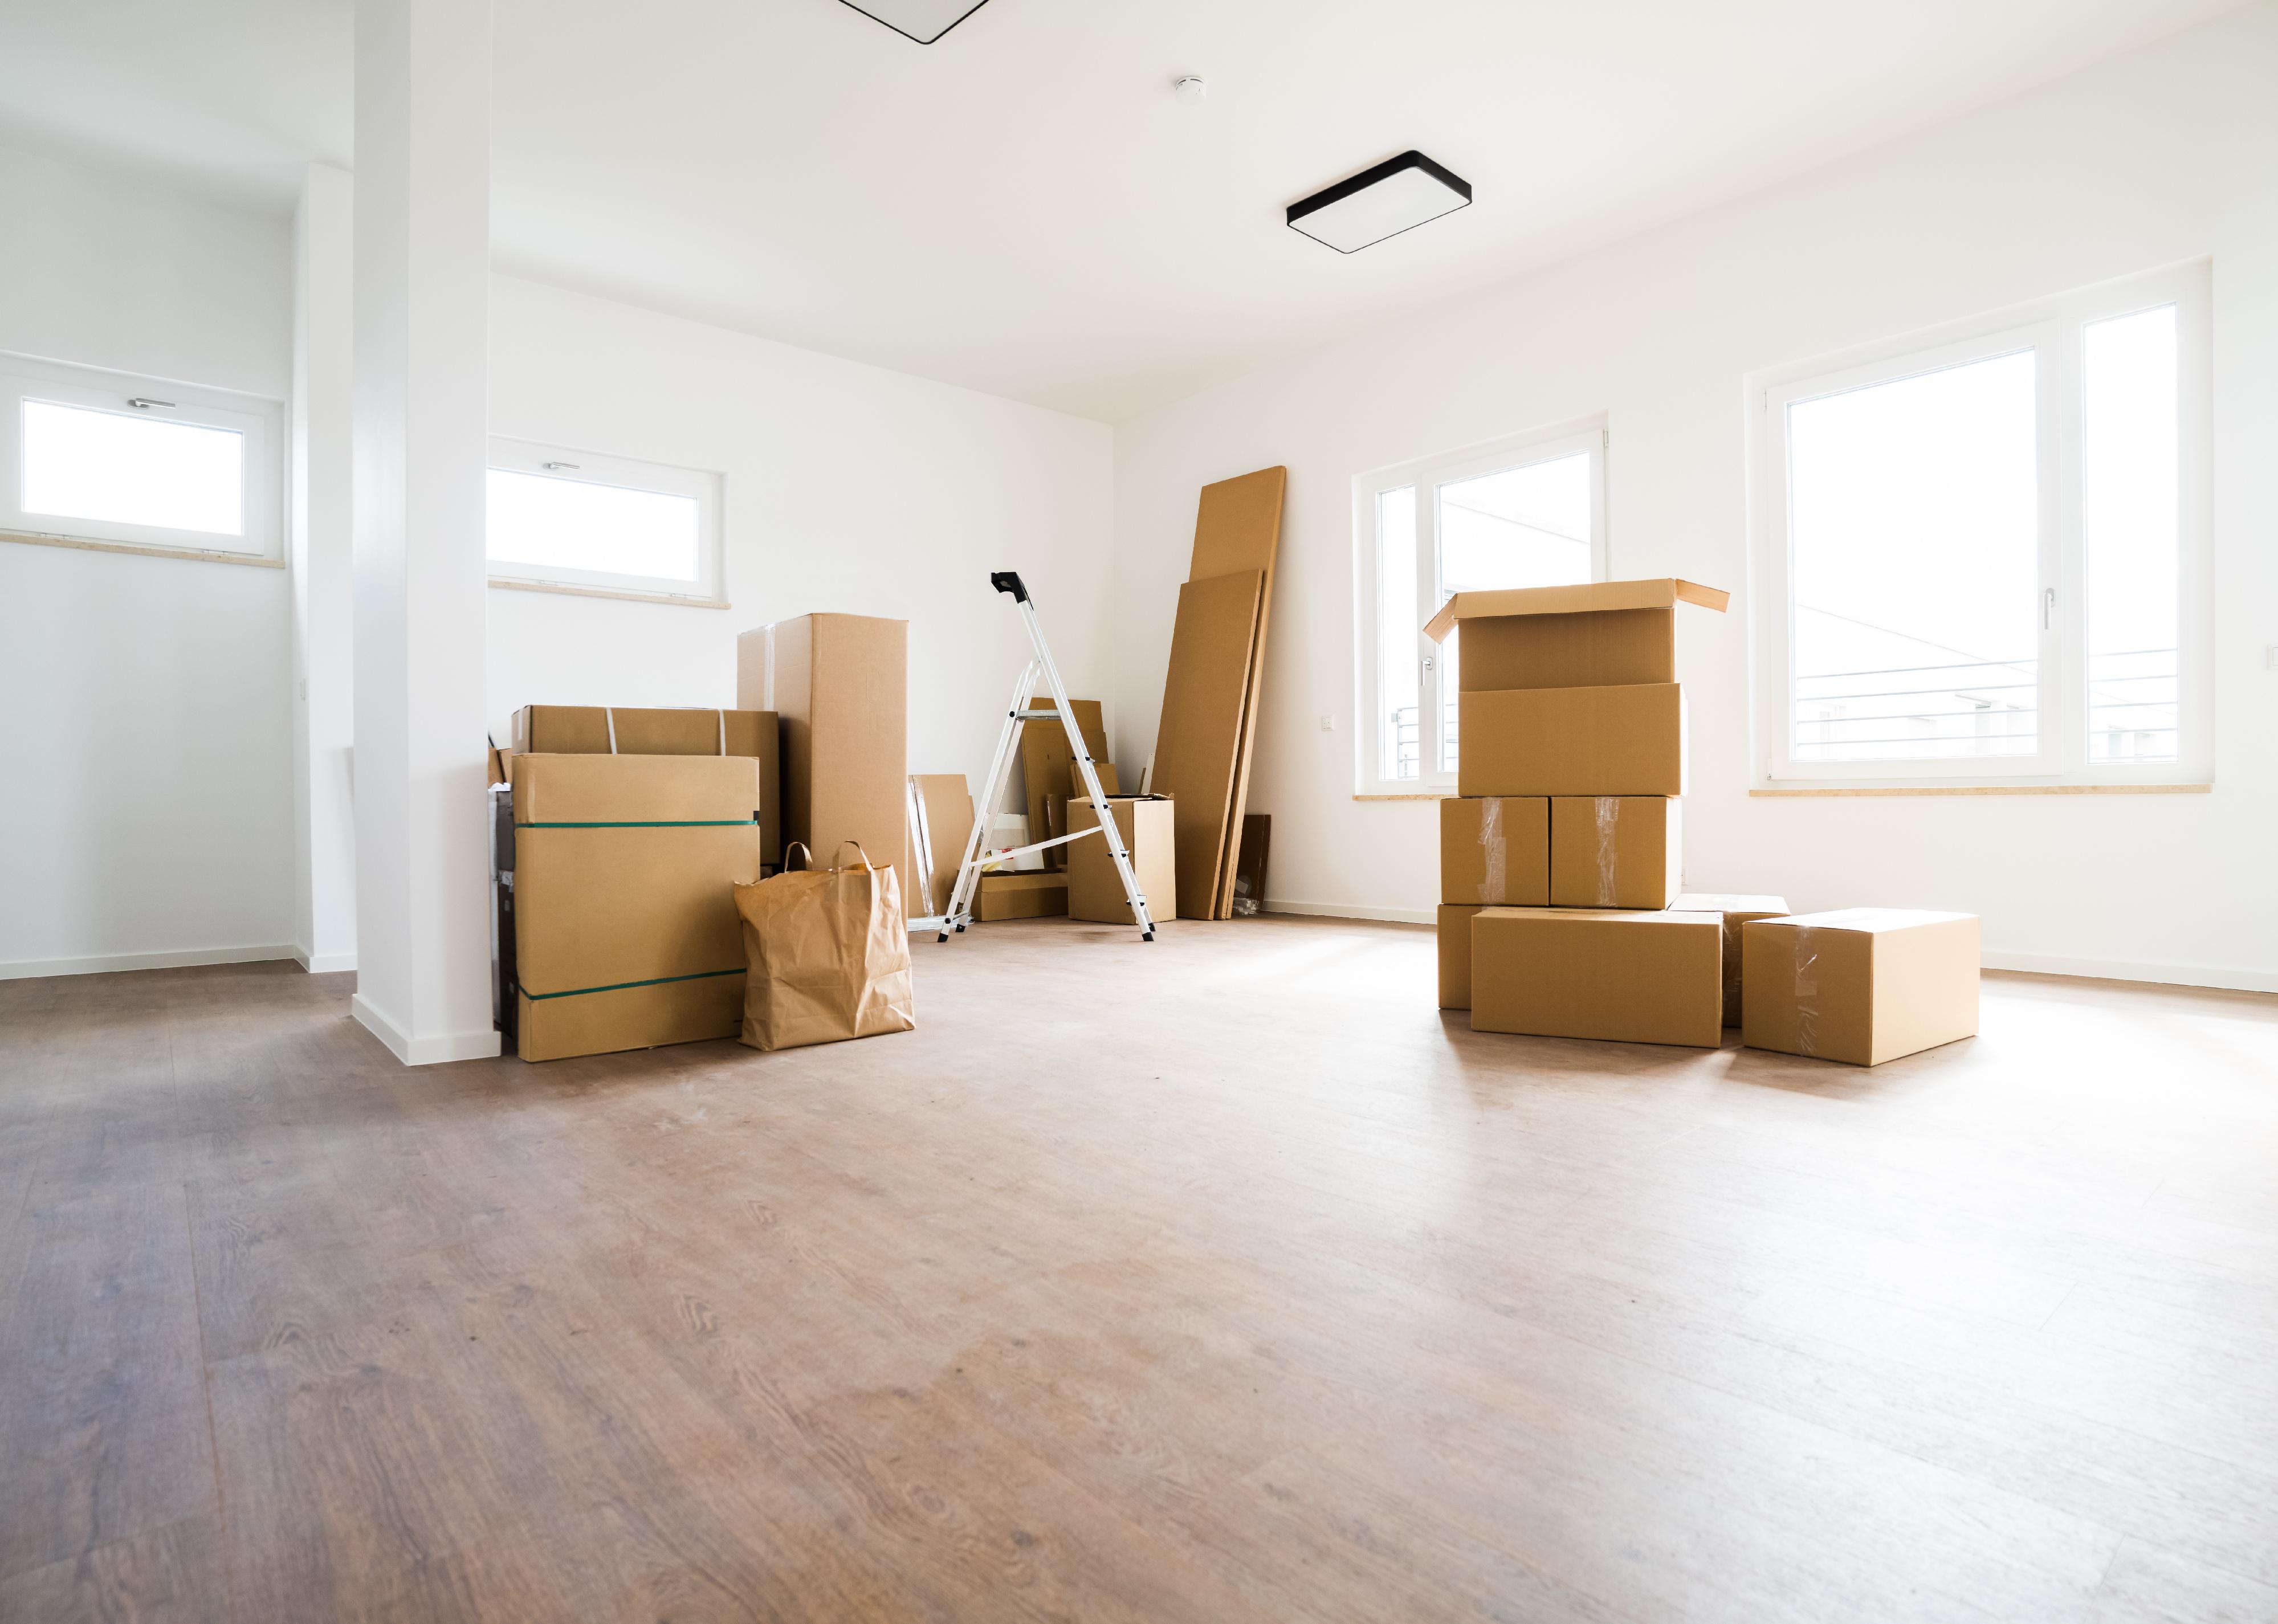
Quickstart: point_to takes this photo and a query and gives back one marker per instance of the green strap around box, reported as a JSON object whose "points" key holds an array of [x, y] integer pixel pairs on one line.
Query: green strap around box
{"points": [[682, 823], [579, 992]]}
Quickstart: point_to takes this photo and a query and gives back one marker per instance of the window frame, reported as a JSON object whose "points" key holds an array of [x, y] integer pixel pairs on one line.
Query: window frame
{"points": [[1587, 435], [2055, 329], [507, 454], [259, 420]]}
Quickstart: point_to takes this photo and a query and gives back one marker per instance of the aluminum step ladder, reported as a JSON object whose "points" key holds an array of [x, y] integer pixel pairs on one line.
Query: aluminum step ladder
{"points": [[1000, 776]]}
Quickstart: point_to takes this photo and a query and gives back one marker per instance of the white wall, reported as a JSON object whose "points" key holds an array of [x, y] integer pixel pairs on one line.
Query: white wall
{"points": [[143, 745], [848, 488], [2162, 156]]}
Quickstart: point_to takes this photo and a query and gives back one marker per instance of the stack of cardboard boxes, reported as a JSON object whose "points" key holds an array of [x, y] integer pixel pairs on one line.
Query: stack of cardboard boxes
{"points": [[626, 831], [1560, 858]]}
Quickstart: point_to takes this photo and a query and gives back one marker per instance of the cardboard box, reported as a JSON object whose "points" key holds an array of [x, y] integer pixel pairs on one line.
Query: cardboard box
{"points": [[1048, 764], [621, 730], [1149, 836], [1860, 985], [1615, 851], [625, 927], [1628, 740], [1455, 931], [1735, 911], [1021, 897], [1625, 977], [839, 683], [944, 807], [1108, 781], [1602, 633], [1495, 851]]}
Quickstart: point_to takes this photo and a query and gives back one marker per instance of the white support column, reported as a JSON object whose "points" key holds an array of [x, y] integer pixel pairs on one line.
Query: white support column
{"points": [[423, 87], [323, 565]]}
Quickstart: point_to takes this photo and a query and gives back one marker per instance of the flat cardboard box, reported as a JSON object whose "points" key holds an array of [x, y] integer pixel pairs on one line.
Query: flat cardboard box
{"points": [[625, 928], [623, 730], [1199, 744], [1238, 527], [839, 683], [1736, 910], [1455, 933], [1615, 851], [1620, 976], [1048, 763], [1021, 897], [1495, 851], [1626, 740], [1108, 781], [1148, 827], [1860, 985], [947, 807]]}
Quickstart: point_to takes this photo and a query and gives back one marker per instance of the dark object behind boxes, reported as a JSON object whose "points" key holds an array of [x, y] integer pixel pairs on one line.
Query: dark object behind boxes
{"points": [[625, 933], [840, 685], [624, 731], [1861, 985], [1249, 865]]}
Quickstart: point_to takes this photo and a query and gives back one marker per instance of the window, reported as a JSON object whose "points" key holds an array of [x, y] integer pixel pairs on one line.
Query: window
{"points": [[124, 461], [1986, 558], [1523, 512], [573, 521]]}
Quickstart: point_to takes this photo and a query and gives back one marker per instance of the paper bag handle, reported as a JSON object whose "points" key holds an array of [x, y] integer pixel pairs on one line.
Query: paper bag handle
{"points": [[857, 844], [796, 845]]}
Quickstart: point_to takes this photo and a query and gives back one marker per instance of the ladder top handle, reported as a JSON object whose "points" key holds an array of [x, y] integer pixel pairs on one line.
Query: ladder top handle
{"points": [[1009, 581]]}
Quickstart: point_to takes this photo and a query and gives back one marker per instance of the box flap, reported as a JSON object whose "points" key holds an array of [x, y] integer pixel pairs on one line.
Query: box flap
{"points": [[591, 790], [1573, 600]]}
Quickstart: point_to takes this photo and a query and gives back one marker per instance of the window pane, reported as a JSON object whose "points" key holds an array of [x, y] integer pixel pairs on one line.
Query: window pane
{"points": [[1521, 527], [117, 468], [2130, 494], [1914, 529], [1398, 627], [574, 524]]}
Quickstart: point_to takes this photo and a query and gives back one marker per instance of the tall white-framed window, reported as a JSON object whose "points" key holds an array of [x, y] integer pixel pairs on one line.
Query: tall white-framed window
{"points": [[1984, 554], [1525, 511], [95, 457], [574, 521]]}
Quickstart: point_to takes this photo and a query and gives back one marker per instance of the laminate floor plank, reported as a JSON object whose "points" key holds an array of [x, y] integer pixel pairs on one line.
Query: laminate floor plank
{"points": [[1220, 1278]]}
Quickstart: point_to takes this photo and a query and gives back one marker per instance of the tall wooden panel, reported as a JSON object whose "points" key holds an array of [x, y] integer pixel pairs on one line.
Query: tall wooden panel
{"points": [[1238, 529], [1198, 747]]}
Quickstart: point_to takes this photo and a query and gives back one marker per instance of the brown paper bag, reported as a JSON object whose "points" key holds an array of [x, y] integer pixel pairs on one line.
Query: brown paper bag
{"points": [[827, 954]]}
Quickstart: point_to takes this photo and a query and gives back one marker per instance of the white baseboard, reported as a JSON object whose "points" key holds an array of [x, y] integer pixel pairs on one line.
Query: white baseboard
{"points": [[2123, 969], [429, 1051], [1354, 911], [324, 964], [102, 964]]}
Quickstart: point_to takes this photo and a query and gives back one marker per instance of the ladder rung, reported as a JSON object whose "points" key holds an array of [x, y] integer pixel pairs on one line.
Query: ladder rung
{"points": [[1036, 715]]}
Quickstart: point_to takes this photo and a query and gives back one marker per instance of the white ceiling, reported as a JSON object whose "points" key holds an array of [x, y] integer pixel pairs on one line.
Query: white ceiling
{"points": [[1024, 207]]}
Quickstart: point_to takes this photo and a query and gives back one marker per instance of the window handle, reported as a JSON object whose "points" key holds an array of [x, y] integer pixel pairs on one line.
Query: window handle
{"points": [[2048, 608]]}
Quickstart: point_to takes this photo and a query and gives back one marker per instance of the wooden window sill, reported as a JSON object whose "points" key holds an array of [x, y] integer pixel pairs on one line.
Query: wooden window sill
{"points": [[609, 592], [34, 538], [1996, 790]]}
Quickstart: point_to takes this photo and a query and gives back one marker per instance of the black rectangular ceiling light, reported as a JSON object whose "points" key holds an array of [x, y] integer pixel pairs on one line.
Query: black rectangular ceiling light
{"points": [[922, 21], [1397, 195]]}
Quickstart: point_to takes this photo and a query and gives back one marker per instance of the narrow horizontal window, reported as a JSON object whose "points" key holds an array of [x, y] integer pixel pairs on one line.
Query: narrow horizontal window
{"points": [[585, 521], [96, 457]]}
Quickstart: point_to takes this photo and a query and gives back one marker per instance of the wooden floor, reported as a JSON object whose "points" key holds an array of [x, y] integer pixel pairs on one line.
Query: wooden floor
{"points": [[1216, 1279]]}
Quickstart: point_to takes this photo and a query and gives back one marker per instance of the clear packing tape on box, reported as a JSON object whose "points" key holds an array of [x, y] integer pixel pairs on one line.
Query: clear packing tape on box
{"points": [[1608, 812], [1496, 849], [1807, 989]]}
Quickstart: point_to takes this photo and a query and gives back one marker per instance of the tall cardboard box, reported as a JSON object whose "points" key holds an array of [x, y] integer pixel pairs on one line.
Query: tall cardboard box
{"points": [[624, 731], [1860, 985], [1735, 911], [625, 927], [1454, 934], [1600, 634], [1615, 851], [1626, 977], [1626, 740], [1150, 830], [840, 685], [1496, 850]]}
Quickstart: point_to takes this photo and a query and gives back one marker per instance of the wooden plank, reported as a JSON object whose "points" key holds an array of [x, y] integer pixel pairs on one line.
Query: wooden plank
{"points": [[1238, 527], [1198, 746]]}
